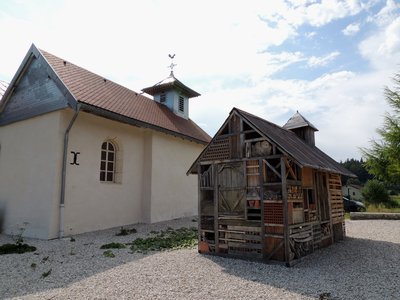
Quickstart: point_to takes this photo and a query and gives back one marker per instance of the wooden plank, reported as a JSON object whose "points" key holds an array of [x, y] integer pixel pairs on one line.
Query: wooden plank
{"points": [[274, 235], [245, 245], [244, 228], [307, 178], [275, 250]]}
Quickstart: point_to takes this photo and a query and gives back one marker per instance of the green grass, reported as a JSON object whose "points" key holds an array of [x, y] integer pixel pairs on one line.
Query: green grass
{"points": [[392, 207], [382, 208], [167, 239], [108, 253], [113, 246], [16, 248]]}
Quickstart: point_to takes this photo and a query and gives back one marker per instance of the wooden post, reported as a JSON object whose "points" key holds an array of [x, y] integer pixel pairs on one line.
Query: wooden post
{"points": [[216, 203], [199, 204], [262, 222], [285, 211]]}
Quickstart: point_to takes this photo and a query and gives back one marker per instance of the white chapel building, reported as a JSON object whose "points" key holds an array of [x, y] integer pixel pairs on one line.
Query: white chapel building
{"points": [[81, 153]]}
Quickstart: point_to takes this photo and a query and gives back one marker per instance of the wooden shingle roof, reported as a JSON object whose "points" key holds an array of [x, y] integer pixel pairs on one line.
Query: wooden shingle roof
{"points": [[305, 154], [289, 143], [97, 91]]}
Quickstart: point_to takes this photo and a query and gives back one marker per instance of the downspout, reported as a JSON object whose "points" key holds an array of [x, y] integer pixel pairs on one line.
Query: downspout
{"points": [[63, 171]]}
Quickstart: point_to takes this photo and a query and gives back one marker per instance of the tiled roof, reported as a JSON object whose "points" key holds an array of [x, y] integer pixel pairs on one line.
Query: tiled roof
{"points": [[97, 91], [289, 142], [3, 87]]}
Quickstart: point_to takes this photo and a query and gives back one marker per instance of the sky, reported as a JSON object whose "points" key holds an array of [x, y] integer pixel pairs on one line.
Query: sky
{"points": [[330, 60]]}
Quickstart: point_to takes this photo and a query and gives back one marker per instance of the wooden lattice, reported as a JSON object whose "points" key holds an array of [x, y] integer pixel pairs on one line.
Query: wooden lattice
{"points": [[218, 150], [335, 193], [273, 212]]}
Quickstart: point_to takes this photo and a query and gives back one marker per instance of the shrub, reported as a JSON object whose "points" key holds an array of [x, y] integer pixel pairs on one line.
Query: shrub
{"points": [[16, 248], [374, 192], [108, 253], [124, 231], [113, 246]]}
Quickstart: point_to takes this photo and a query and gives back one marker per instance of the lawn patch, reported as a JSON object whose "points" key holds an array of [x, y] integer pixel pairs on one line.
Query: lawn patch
{"points": [[167, 239]]}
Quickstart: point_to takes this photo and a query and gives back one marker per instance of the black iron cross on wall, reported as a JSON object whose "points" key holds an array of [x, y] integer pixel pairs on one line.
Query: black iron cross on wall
{"points": [[75, 159]]}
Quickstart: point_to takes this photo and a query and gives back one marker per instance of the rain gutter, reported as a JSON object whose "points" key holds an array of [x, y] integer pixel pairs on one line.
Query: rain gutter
{"points": [[63, 171]]}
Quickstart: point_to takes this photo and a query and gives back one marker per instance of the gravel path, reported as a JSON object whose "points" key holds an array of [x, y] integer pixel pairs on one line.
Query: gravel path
{"points": [[365, 266]]}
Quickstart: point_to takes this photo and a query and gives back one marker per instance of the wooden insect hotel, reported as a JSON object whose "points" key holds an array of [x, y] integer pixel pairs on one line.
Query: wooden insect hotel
{"points": [[267, 192]]}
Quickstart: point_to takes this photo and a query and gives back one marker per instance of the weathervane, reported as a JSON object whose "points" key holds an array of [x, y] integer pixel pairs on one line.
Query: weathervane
{"points": [[172, 65]]}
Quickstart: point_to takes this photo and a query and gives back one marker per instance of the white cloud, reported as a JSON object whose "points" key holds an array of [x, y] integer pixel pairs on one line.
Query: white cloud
{"points": [[319, 14], [351, 29], [310, 35], [315, 61], [382, 49], [387, 13], [280, 61]]}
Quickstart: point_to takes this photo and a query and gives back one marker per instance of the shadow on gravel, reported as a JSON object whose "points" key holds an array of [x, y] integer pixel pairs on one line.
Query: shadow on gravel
{"points": [[352, 269]]}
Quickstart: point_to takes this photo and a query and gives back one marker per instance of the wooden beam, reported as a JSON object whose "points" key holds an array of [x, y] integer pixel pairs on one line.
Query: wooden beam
{"points": [[261, 183], [290, 170], [272, 168], [198, 204], [285, 210], [216, 203]]}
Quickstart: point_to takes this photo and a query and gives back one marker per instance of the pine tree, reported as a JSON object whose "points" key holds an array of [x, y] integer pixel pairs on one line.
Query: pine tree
{"points": [[383, 158]]}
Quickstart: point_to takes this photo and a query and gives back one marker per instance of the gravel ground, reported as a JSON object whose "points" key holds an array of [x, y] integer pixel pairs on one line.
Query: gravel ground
{"points": [[364, 266]]}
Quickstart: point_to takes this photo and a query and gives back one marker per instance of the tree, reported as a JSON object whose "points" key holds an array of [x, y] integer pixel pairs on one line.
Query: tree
{"points": [[383, 158], [357, 167], [374, 192]]}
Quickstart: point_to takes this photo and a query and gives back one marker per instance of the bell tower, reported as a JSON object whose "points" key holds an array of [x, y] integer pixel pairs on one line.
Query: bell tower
{"points": [[172, 93], [302, 128]]}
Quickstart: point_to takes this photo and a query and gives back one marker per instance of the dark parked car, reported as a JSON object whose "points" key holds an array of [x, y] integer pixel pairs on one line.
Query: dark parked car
{"points": [[352, 205]]}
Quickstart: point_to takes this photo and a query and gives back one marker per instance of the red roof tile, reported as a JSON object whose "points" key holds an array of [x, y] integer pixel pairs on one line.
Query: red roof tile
{"points": [[97, 91]]}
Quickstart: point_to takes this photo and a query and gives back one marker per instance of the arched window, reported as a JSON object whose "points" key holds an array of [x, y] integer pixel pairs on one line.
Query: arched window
{"points": [[107, 164]]}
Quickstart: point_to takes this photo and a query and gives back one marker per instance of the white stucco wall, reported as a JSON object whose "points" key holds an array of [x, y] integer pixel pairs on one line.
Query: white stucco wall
{"points": [[30, 162], [173, 194], [89, 203], [153, 186]]}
